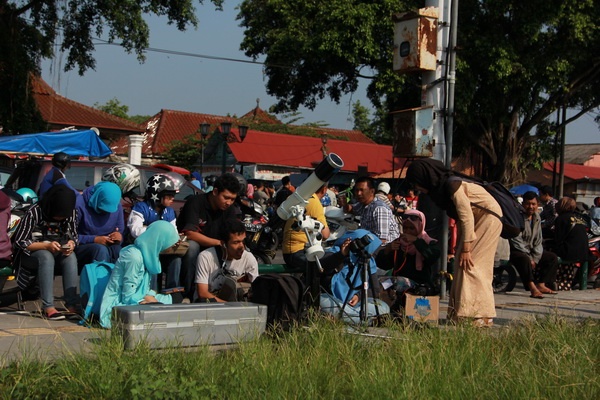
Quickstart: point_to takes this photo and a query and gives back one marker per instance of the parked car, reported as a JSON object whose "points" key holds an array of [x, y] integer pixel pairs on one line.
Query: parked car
{"points": [[5, 174], [83, 174]]}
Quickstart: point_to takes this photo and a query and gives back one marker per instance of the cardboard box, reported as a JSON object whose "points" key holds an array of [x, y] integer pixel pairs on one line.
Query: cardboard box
{"points": [[422, 308]]}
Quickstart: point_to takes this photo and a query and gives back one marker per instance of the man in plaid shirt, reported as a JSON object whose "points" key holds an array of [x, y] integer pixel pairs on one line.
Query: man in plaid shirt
{"points": [[375, 216]]}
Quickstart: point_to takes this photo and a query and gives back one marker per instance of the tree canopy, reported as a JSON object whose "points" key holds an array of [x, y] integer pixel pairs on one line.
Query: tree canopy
{"points": [[517, 62], [29, 30]]}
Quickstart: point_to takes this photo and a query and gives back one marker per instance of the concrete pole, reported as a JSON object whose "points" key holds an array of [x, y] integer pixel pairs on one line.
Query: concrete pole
{"points": [[135, 149], [434, 93]]}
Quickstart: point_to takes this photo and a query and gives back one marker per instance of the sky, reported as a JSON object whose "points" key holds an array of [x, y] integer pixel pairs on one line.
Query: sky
{"points": [[174, 82]]}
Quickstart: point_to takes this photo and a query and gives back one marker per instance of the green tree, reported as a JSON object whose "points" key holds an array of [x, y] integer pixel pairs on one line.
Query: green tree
{"points": [[29, 29], [184, 153], [517, 62], [114, 107], [362, 122]]}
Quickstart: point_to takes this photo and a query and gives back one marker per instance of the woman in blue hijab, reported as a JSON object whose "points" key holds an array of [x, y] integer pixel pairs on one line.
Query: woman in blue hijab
{"points": [[129, 282], [100, 224]]}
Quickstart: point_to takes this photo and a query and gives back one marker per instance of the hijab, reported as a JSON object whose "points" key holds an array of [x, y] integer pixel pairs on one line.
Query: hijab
{"points": [[105, 197], [433, 175], [159, 236], [409, 247], [58, 201]]}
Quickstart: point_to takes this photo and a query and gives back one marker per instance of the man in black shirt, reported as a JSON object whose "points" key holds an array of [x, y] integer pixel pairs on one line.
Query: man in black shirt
{"points": [[200, 220], [285, 190]]}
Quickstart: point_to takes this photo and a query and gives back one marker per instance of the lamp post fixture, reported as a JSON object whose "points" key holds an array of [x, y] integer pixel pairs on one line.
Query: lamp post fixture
{"points": [[225, 130], [204, 134], [324, 147]]}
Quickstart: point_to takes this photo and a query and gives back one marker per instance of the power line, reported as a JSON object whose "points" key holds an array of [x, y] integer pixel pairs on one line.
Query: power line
{"points": [[196, 55]]}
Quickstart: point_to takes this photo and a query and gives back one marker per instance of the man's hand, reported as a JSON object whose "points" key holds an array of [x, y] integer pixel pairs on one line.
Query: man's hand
{"points": [[345, 247], [53, 247], [466, 262], [353, 301]]}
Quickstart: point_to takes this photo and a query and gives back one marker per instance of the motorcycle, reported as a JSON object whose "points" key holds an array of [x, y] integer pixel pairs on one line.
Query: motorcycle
{"points": [[594, 268], [505, 277], [261, 239], [339, 223]]}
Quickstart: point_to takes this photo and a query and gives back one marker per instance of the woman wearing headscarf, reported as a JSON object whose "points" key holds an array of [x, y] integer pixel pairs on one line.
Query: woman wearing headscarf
{"points": [[471, 295], [100, 223], [46, 237], [410, 258], [570, 240], [129, 282]]}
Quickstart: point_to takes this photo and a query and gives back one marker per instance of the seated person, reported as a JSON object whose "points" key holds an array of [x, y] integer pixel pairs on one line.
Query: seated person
{"points": [[5, 246], [45, 238], [129, 282], [341, 278], [527, 253], [570, 240], [160, 193], [410, 258], [100, 223], [224, 273]]}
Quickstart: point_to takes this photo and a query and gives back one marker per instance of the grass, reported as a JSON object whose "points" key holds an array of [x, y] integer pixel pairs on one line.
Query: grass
{"points": [[536, 359]]}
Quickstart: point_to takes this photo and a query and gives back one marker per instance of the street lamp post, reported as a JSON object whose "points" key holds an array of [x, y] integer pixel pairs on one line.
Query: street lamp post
{"points": [[204, 134], [225, 129], [324, 147]]}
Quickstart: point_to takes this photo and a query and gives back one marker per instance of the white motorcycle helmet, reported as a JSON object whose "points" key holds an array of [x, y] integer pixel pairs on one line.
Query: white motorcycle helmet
{"points": [[126, 176]]}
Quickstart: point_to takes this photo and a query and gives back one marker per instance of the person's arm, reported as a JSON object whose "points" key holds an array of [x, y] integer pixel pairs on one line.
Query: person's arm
{"points": [[466, 220], [430, 252], [201, 239], [133, 274], [135, 223], [205, 263]]}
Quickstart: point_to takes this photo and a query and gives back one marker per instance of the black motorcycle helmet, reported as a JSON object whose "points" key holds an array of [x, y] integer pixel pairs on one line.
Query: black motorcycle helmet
{"points": [[61, 160], [243, 184]]}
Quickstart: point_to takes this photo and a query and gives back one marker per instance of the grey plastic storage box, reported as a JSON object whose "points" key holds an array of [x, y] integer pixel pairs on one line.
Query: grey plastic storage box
{"points": [[183, 325]]}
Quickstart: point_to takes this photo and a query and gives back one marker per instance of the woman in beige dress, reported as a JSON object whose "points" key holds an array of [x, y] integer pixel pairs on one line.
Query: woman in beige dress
{"points": [[471, 295]]}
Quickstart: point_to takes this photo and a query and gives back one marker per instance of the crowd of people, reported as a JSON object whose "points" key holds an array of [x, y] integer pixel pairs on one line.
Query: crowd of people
{"points": [[65, 231]]}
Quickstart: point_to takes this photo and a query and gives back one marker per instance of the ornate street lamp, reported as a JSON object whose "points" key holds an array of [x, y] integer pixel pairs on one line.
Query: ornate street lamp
{"points": [[204, 127], [225, 130]]}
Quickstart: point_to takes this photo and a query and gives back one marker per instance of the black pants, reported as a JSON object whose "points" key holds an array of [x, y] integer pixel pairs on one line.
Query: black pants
{"points": [[546, 267]]}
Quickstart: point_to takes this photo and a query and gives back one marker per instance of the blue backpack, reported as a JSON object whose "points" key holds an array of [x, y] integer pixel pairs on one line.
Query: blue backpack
{"points": [[92, 285]]}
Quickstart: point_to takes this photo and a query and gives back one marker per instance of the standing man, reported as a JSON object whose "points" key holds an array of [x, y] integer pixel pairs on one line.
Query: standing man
{"points": [[548, 214], [224, 272], [286, 189], [200, 220], [375, 216], [528, 255], [383, 191], [56, 176], [294, 240]]}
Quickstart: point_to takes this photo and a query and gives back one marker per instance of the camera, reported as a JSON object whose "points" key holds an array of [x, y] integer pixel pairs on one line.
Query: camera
{"points": [[357, 245]]}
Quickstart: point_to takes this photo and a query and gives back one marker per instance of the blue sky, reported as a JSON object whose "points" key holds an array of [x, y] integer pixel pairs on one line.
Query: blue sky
{"points": [[202, 85]]}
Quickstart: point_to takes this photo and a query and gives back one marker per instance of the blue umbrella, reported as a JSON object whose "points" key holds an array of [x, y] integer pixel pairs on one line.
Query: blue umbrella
{"points": [[521, 189]]}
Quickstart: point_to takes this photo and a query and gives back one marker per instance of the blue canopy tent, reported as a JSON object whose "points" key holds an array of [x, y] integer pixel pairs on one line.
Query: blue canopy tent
{"points": [[522, 189], [74, 143]]}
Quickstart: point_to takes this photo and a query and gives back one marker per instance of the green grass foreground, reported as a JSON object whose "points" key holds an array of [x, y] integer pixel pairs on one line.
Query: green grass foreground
{"points": [[544, 359]]}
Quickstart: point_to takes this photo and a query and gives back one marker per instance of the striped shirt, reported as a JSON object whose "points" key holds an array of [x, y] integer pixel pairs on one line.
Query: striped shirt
{"points": [[31, 228]]}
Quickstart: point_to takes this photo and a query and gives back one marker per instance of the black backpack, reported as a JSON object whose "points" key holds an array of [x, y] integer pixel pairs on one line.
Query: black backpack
{"points": [[284, 297], [513, 213]]}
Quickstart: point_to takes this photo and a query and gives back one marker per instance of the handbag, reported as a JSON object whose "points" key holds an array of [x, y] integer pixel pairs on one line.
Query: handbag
{"points": [[179, 249]]}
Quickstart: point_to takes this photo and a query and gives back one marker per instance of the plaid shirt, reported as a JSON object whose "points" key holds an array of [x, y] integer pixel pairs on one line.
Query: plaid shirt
{"points": [[376, 217]]}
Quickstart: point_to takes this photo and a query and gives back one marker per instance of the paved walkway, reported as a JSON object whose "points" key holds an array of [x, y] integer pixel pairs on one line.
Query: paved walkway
{"points": [[25, 334]]}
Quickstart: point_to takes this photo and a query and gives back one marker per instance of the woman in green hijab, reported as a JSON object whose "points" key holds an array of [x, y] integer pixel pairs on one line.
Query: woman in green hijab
{"points": [[129, 282]]}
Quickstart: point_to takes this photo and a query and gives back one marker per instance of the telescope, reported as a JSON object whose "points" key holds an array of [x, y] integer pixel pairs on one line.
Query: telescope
{"points": [[330, 166]]}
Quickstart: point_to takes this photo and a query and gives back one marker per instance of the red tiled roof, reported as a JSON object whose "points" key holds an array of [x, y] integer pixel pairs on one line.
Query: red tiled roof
{"points": [[268, 148], [257, 114], [170, 125], [59, 112], [575, 171]]}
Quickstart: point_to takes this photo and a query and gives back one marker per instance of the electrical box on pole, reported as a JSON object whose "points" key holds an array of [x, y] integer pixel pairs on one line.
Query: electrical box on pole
{"points": [[415, 40], [413, 132]]}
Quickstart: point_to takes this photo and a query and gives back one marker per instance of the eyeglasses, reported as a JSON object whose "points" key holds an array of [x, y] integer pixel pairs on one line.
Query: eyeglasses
{"points": [[414, 218]]}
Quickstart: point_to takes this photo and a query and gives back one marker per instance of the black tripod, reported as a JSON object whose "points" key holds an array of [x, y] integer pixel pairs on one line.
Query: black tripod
{"points": [[364, 271]]}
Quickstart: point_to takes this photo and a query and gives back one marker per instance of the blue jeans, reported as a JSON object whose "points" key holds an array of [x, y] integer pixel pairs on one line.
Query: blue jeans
{"points": [[172, 265], [188, 269], [331, 305], [47, 261], [90, 252]]}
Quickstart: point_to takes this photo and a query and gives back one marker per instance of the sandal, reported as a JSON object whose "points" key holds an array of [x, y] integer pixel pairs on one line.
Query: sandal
{"points": [[55, 316], [538, 295]]}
